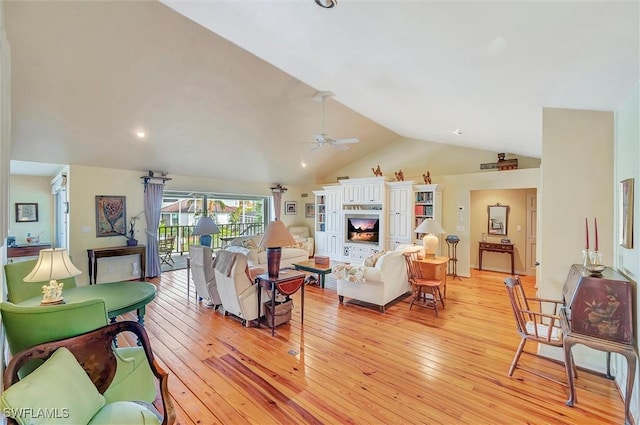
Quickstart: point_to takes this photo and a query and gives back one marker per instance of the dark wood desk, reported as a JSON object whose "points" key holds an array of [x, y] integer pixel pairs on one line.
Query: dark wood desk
{"points": [[115, 251], [287, 283], [504, 248], [601, 344], [30, 250]]}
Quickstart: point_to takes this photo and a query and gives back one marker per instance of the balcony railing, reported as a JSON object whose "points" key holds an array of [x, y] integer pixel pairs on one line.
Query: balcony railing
{"points": [[185, 237]]}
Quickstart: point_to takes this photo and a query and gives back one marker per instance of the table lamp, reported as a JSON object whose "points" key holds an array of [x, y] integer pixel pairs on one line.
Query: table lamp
{"points": [[275, 237], [205, 228], [430, 228], [52, 264]]}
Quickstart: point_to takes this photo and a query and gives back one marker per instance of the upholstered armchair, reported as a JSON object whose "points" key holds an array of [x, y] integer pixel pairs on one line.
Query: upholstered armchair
{"points": [[204, 279], [18, 290], [75, 377], [303, 240], [26, 327], [235, 283]]}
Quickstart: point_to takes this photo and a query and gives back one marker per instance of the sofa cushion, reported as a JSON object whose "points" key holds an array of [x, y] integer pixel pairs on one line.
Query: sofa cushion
{"points": [[371, 260], [58, 388], [125, 413]]}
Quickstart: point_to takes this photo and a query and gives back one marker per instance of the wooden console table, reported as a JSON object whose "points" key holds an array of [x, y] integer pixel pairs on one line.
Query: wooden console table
{"points": [[115, 251], [31, 250], [504, 248]]}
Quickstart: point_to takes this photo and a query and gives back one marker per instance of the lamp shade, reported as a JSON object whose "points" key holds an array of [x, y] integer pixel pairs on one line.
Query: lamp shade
{"points": [[276, 236], [52, 264], [430, 226], [206, 226]]}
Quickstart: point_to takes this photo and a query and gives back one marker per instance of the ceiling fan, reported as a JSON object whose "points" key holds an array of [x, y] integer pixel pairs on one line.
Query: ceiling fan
{"points": [[323, 139]]}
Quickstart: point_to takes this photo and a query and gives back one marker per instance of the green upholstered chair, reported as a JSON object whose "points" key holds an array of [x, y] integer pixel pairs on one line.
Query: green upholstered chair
{"points": [[18, 290], [26, 327], [74, 379]]}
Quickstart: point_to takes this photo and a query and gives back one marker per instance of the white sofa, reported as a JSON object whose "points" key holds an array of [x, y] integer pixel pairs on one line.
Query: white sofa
{"points": [[256, 256], [383, 283]]}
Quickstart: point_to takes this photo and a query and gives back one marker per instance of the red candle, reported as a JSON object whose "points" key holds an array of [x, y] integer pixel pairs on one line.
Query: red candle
{"points": [[596, 225], [586, 225]]}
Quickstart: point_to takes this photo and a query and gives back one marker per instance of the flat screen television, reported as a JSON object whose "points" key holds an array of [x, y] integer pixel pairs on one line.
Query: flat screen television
{"points": [[363, 229]]}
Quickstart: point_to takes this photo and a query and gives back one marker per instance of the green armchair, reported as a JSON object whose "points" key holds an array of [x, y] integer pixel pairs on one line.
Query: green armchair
{"points": [[18, 290], [26, 327], [74, 379]]}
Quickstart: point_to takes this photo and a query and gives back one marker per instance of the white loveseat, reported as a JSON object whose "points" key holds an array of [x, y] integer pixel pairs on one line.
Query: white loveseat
{"points": [[383, 283], [256, 256]]}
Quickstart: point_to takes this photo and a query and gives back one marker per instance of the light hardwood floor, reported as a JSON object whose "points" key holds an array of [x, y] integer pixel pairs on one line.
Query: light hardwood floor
{"points": [[352, 364]]}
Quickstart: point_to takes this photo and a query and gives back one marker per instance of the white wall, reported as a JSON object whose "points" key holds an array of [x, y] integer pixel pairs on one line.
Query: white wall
{"points": [[627, 158]]}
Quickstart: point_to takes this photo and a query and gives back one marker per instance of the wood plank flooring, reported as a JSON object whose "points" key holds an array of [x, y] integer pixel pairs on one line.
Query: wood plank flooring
{"points": [[351, 364]]}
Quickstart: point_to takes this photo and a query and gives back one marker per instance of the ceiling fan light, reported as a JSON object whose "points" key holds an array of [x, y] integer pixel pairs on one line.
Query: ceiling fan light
{"points": [[327, 4]]}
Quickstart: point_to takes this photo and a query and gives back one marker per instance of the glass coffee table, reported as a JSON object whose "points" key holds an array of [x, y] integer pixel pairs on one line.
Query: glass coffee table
{"points": [[312, 267]]}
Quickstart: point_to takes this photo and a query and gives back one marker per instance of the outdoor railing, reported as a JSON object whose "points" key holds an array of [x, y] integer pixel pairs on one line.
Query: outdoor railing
{"points": [[185, 237]]}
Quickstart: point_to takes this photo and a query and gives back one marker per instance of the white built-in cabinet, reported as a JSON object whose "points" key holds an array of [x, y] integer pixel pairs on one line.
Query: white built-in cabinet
{"points": [[398, 211], [328, 222], [399, 206]]}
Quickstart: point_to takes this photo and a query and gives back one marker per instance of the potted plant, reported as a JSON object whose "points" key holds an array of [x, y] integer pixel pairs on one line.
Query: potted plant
{"points": [[131, 240]]}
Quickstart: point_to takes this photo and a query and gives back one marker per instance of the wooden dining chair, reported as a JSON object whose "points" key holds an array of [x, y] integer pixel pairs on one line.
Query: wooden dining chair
{"points": [[537, 320], [426, 292]]}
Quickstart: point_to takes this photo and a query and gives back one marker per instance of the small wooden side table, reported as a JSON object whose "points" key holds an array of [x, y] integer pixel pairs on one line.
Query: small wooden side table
{"points": [[436, 269], [287, 283]]}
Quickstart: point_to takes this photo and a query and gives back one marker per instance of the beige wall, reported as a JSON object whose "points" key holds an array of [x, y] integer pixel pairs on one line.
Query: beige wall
{"points": [[516, 199], [577, 182], [32, 189]]}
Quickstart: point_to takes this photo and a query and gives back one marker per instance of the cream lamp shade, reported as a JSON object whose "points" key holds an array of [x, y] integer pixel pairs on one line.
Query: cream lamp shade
{"points": [[275, 237], [205, 228], [430, 228], [52, 264]]}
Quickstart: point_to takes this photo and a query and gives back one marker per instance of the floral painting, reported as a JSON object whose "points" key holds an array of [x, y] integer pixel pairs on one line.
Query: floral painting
{"points": [[111, 216]]}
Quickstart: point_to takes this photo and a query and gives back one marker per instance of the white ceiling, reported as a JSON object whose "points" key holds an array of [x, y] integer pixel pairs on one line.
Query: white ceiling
{"points": [[86, 75]]}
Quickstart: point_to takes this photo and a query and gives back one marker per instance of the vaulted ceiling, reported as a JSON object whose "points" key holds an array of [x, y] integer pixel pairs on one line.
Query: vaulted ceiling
{"points": [[223, 88]]}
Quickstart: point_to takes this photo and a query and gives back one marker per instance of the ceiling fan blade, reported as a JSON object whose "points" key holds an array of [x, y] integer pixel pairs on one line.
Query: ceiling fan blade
{"points": [[314, 147], [320, 138], [345, 141], [339, 147]]}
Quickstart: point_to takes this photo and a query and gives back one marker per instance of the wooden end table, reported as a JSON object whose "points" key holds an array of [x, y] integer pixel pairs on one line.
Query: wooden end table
{"points": [[312, 267], [287, 283]]}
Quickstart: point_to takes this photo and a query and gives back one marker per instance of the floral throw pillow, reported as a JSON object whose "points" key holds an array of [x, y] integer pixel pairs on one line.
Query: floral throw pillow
{"points": [[371, 260], [349, 273]]}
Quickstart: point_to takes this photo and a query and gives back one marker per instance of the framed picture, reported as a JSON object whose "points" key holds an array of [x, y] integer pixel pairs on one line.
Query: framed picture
{"points": [[626, 213], [309, 210], [290, 207], [498, 215], [26, 212], [111, 213]]}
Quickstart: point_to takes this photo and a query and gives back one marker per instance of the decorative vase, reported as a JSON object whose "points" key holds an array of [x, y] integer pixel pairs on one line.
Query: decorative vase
{"points": [[132, 242]]}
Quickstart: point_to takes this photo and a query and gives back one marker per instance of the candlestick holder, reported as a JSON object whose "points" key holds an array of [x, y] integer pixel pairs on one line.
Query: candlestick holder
{"points": [[592, 261]]}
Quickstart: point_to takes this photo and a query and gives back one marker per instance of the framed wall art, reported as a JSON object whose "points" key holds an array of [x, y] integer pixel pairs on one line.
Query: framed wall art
{"points": [[626, 213], [111, 213], [290, 207], [309, 210], [498, 219], [26, 212]]}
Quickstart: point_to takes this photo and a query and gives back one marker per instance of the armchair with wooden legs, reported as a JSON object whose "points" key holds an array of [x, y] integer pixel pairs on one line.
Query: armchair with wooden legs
{"points": [[537, 320]]}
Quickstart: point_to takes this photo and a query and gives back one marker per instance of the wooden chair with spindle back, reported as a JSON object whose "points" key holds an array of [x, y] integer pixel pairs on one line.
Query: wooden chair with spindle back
{"points": [[426, 292]]}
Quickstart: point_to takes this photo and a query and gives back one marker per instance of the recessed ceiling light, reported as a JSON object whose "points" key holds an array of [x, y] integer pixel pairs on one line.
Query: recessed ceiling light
{"points": [[457, 132], [304, 164], [141, 134]]}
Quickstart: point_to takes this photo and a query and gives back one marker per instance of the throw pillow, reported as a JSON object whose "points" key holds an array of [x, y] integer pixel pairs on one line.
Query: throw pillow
{"points": [[57, 392], [250, 244], [371, 260]]}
